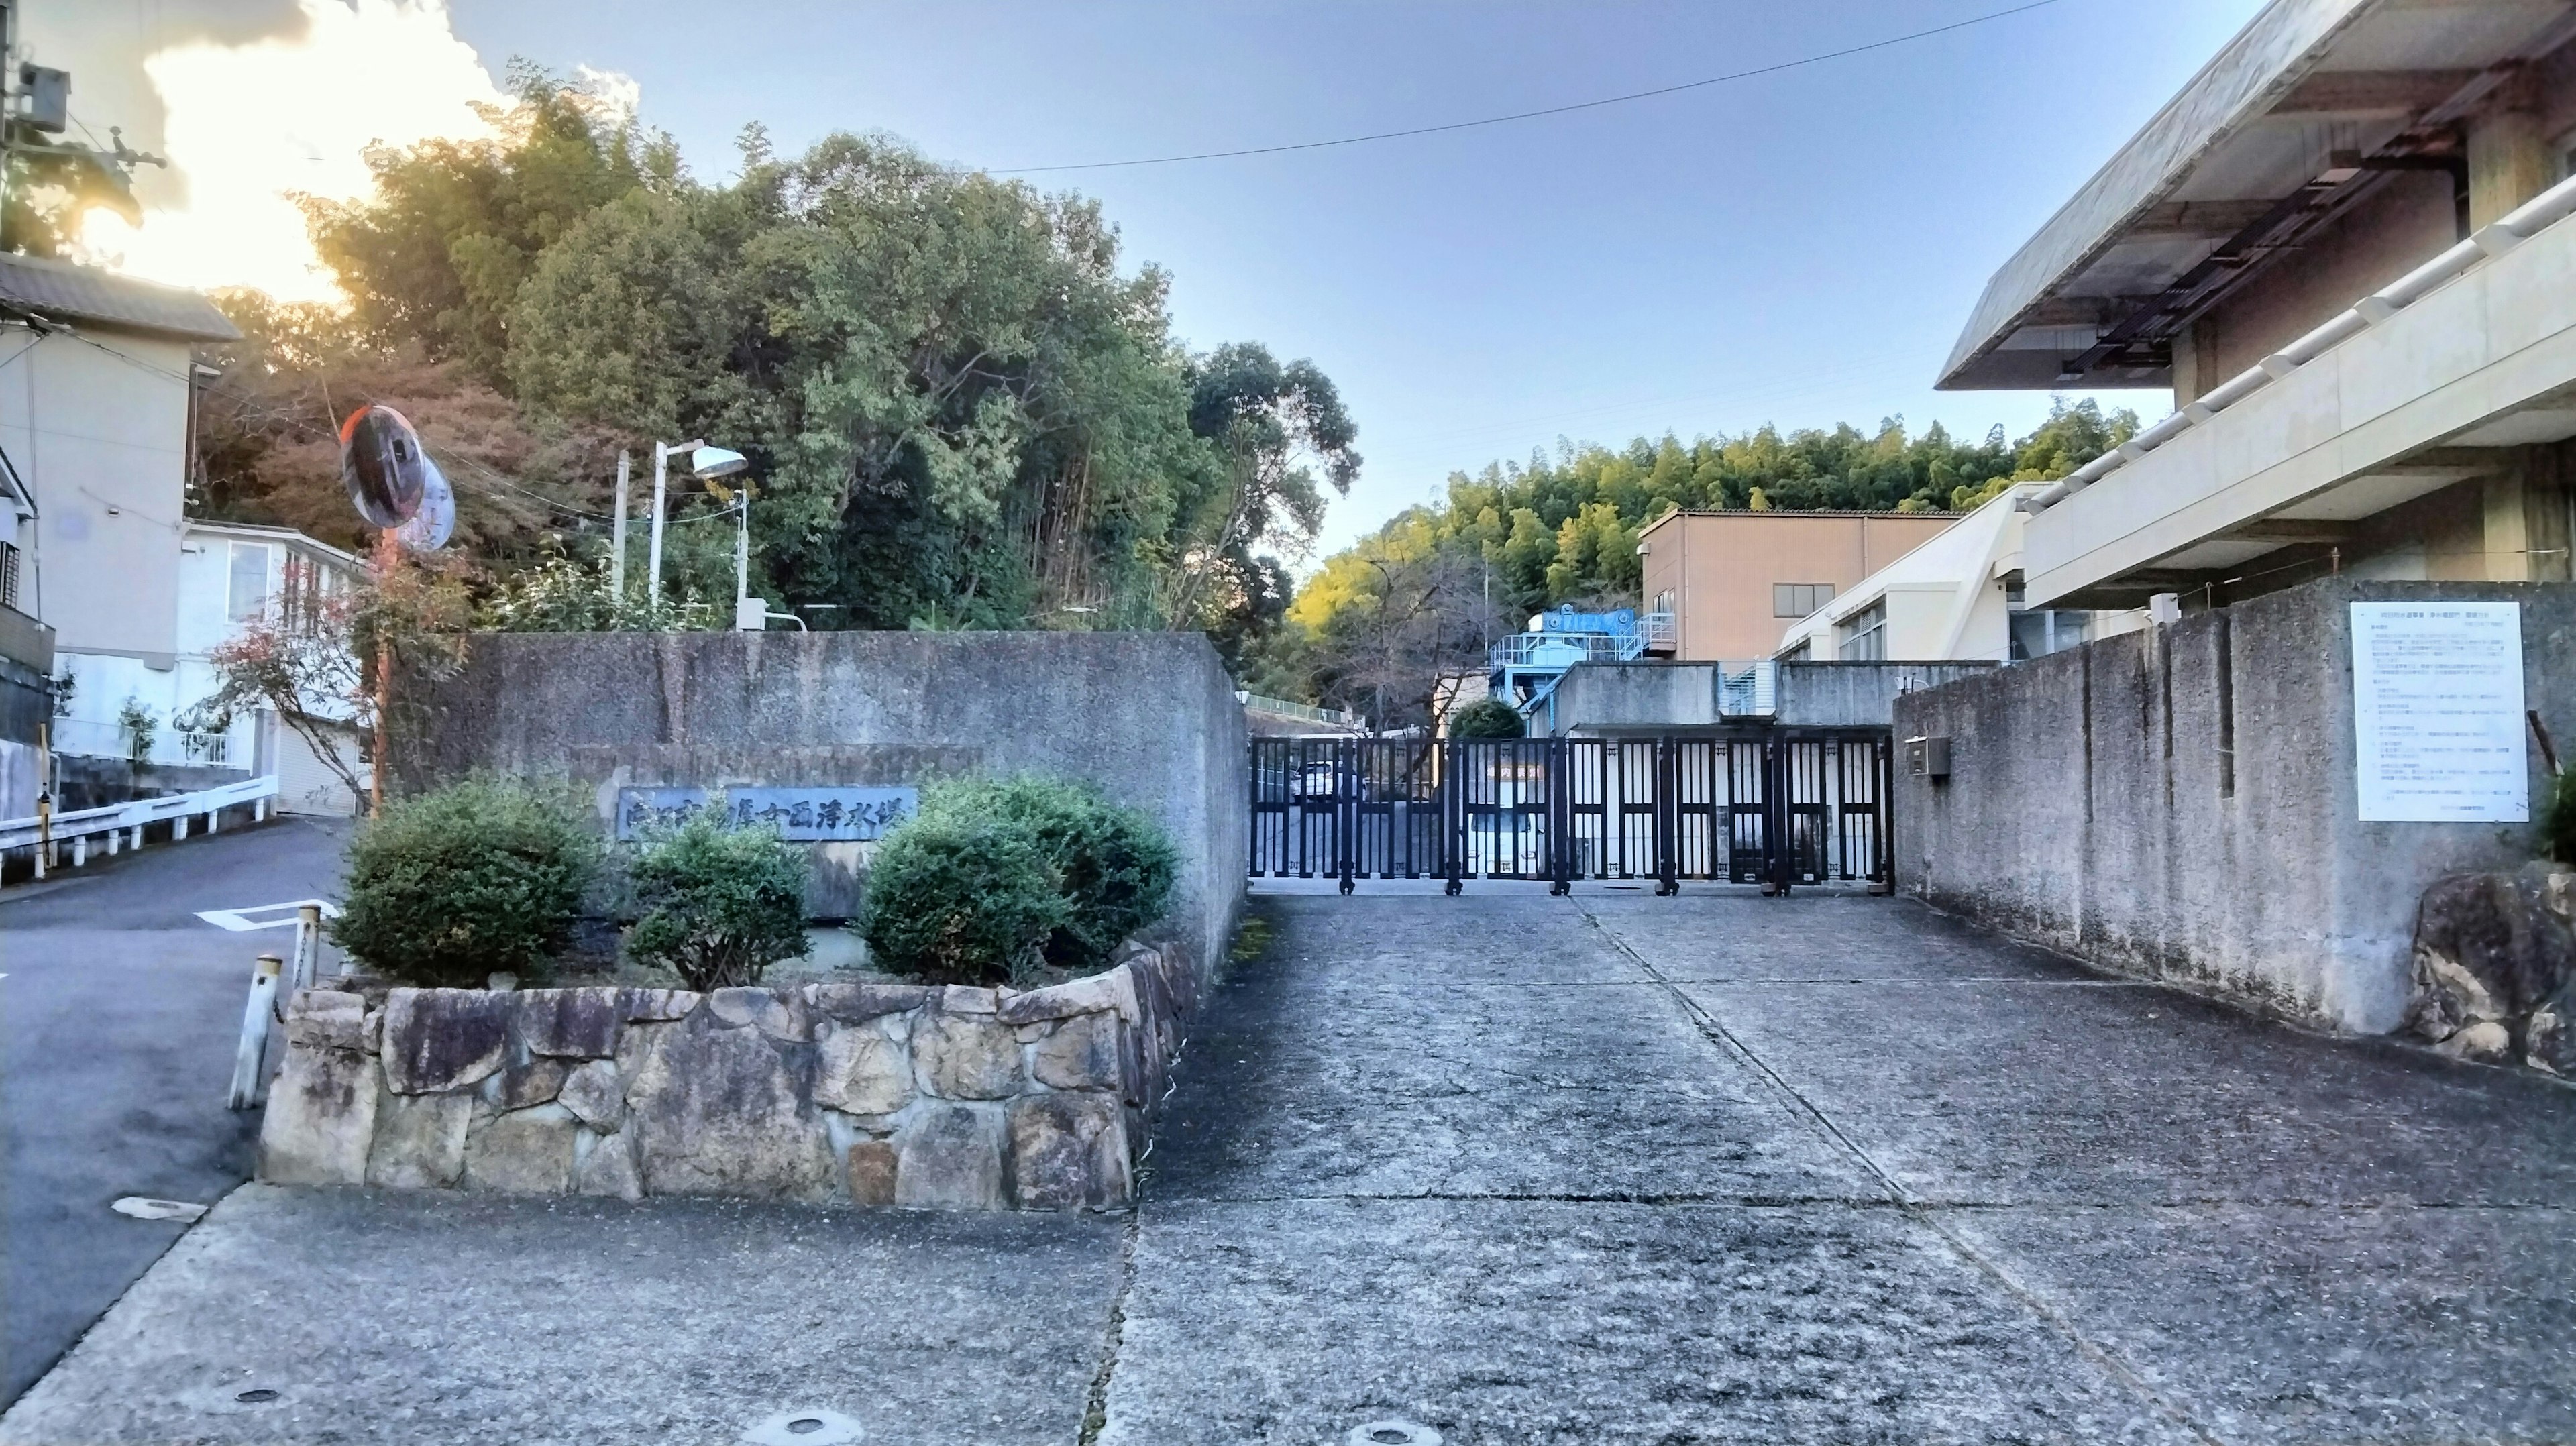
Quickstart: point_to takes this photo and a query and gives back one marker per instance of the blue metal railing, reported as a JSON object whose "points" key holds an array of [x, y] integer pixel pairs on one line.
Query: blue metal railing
{"points": [[1570, 638]]}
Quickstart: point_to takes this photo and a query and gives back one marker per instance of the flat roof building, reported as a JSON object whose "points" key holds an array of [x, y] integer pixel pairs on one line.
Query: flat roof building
{"points": [[2343, 247], [1735, 581]]}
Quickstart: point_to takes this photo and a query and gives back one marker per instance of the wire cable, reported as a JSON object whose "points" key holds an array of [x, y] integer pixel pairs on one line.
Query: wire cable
{"points": [[1496, 120]]}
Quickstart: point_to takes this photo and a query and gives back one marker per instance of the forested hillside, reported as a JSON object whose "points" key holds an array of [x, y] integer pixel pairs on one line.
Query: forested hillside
{"points": [[1383, 618], [960, 409]]}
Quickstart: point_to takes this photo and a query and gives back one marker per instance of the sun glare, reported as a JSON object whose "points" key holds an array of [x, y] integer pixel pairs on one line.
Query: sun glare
{"points": [[251, 126]]}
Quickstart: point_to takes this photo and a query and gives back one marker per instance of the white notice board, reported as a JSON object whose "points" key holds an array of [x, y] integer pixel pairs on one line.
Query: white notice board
{"points": [[2437, 712]]}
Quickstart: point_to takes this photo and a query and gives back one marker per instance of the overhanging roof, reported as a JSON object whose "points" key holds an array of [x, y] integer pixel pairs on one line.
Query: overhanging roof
{"points": [[62, 291], [2260, 144]]}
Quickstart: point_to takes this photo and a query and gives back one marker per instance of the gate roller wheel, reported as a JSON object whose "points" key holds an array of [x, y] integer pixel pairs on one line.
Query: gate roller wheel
{"points": [[1454, 888], [1346, 886]]}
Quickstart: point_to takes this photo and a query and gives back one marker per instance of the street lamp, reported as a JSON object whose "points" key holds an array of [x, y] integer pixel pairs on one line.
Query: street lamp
{"points": [[706, 463]]}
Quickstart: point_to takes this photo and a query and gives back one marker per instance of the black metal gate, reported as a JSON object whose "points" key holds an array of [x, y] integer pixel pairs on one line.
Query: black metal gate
{"points": [[1777, 807]]}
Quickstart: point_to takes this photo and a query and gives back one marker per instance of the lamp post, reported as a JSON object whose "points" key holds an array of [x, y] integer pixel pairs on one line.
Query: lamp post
{"points": [[706, 463]]}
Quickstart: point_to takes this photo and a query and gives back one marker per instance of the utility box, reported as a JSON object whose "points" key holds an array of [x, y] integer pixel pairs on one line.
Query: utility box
{"points": [[1927, 757], [47, 97]]}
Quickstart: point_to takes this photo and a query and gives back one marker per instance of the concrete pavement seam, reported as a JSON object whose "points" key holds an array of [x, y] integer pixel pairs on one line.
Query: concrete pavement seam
{"points": [[1095, 1410], [2101, 1356]]}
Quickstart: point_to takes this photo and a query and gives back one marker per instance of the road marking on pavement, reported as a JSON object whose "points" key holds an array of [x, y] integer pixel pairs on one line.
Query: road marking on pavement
{"points": [[241, 921], [144, 1207]]}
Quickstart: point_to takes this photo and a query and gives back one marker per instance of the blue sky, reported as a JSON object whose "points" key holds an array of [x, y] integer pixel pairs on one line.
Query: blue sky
{"points": [[1798, 248]]}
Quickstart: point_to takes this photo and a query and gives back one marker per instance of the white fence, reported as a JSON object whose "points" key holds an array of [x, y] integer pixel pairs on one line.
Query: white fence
{"points": [[120, 825], [86, 737]]}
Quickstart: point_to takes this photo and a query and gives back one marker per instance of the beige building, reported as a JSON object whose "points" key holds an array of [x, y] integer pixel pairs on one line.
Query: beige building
{"points": [[2344, 248], [1735, 581]]}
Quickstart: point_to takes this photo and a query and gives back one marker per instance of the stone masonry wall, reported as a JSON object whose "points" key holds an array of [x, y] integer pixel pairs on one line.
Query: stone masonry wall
{"points": [[867, 1093]]}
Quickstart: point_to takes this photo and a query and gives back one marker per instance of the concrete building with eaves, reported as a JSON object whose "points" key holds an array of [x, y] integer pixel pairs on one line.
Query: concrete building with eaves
{"points": [[2343, 247]]}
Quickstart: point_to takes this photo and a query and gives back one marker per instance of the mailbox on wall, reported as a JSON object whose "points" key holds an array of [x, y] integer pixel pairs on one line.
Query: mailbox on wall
{"points": [[1927, 757]]}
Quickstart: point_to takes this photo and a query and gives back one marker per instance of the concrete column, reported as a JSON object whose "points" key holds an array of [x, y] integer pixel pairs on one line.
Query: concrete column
{"points": [[2547, 514], [2195, 362], [2508, 160], [2527, 518]]}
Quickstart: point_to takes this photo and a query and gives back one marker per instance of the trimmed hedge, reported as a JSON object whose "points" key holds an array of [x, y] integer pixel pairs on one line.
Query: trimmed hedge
{"points": [[720, 904], [480, 877], [996, 877]]}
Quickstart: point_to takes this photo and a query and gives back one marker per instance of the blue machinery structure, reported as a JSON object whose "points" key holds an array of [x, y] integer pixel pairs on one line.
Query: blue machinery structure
{"points": [[1525, 668]]}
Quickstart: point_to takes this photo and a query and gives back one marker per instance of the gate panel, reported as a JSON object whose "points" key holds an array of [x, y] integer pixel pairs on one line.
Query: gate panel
{"points": [[1295, 806], [1778, 806], [1501, 809], [1611, 807]]}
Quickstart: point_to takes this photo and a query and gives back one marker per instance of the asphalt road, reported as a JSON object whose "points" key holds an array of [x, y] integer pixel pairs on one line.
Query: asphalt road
{"points": [[119, 1009]]}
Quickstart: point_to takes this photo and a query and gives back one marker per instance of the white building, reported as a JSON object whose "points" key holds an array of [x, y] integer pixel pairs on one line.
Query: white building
{"points": [[230, 576], [1956, 598], [97, 393], [2345, 247]]}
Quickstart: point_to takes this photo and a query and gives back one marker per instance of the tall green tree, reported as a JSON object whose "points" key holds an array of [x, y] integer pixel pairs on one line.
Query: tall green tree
{"points": [[962, 408]]}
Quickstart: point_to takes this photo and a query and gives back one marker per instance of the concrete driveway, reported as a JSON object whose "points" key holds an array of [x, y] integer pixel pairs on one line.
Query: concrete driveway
{"points": [[118, 1016], [1518, 1169]]}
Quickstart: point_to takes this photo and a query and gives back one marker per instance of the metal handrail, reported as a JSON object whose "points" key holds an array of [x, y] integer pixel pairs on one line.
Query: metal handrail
{"points": [[86, 822]]}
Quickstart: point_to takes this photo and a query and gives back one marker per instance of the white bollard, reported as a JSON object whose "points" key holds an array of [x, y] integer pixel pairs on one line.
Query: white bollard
{"points": [[253, 1050], [115, 836], [80, 849], [137, 845], [178, 827]]}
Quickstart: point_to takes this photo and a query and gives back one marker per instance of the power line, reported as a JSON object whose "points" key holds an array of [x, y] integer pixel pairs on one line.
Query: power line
{"points": [[1661, 90]]}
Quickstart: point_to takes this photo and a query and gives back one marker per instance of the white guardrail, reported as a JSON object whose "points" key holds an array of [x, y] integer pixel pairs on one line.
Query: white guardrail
{"points": [[2493, 239], [122, 823]]}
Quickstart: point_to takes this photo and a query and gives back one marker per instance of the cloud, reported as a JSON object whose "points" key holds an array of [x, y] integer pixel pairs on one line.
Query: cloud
{"points": [[248, 125]]}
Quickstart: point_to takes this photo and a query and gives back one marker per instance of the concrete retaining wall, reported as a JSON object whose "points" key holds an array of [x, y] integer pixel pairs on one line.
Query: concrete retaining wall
{"points": [[1646, 696], [1151, 717], [2182, 802], [865, 1093]]}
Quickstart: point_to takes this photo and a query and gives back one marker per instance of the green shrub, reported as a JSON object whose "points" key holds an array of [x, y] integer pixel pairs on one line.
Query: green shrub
{"points": [[1115, 863], [481, 877], [961, 900], [1486, 718], [719, 904], [2558, 818], [993, 878]]}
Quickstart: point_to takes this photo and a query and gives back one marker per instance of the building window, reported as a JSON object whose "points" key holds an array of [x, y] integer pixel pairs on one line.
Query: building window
{"points": [[1664, 601], [2042, 631], [246, 598], [1806, 649], [1797, 599], [9, 576], [1864, 635]]}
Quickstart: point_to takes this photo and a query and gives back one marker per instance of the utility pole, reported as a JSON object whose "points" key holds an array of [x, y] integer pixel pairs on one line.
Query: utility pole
{"points": [[35, 108], [617, 536]]}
